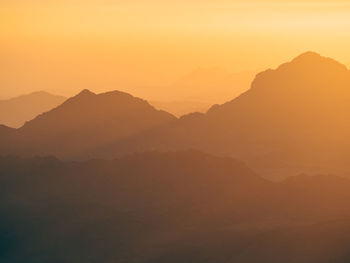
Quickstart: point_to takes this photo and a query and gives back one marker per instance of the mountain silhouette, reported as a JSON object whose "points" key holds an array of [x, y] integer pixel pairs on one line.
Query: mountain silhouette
{"points": [[293, 119], [84, 121], [204, 85], [16, 111], [183, 206]]}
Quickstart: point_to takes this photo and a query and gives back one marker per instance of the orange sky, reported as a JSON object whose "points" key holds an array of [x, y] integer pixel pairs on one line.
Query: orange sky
{"points": [[65, 46]]}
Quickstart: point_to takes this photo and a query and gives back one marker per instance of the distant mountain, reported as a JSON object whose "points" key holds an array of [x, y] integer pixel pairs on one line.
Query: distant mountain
{"points": [[84, 121], [180, 108], [293, 119], [212, 84], [203, 85], [16, 111], [182, 206]]}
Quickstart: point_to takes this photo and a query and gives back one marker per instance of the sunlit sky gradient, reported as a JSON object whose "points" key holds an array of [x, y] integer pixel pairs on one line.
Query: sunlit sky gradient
{"points": [[65, 46]]}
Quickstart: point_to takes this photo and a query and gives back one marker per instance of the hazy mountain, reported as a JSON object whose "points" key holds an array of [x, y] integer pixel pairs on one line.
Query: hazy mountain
{"points": [[16, 111], [180, 108], [167, 207], [293, 119], [206, 85], [84, 121], [200, 84], [296, 115]]}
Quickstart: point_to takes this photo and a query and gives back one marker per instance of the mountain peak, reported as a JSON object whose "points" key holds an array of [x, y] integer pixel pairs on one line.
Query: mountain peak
{"points": [[308, 71], [309, 55], [314, 60], [85, 92]]}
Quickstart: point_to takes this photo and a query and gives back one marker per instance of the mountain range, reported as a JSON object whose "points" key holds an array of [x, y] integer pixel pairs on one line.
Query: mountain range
{"points": [[293, 119], [183, 206], [110, 178]]}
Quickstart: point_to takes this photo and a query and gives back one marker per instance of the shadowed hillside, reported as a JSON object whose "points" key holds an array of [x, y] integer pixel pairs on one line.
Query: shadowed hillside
{"points": [[167, 207]]}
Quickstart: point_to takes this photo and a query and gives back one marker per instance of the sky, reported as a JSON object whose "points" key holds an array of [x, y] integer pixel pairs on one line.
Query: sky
{"points": [[65, 46]]}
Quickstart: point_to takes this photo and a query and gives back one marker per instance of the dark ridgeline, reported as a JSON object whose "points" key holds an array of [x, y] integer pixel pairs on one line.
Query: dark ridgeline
{"points": [[16, 111], [182, 206], [293, 119]]}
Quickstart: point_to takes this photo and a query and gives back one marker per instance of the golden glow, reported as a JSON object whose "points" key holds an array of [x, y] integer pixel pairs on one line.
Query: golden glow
{"points": [[65, 46]]}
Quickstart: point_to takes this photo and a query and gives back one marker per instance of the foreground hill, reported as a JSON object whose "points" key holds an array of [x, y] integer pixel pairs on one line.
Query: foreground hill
{"points": [[16, 111], [167, 207], [85, 121]]}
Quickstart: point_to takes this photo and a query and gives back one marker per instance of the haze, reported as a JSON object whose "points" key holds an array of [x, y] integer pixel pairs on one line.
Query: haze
{"points": [[134, 46]]}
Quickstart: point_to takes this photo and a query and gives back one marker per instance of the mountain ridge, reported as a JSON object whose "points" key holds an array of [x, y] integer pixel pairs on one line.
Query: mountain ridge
{"points": [[295, 116], [294, 119]]}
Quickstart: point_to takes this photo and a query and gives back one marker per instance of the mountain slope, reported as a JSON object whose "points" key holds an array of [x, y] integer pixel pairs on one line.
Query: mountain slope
{"points": [[16, 111]]}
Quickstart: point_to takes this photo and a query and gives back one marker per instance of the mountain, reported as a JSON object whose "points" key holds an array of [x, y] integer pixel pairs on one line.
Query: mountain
{"points": [[183, 206], [180, 108], [83, 122], [16, 111], [201, 83], [293, 119], [296, 116], [205, 85]]}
